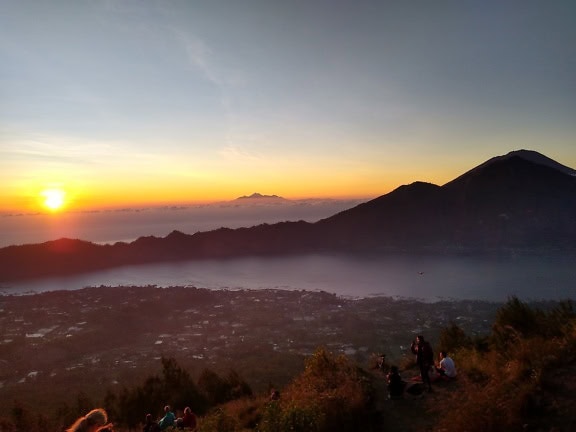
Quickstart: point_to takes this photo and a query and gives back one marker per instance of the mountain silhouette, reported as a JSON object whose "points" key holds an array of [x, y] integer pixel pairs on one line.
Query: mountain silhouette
{"points": [[258, 196], [520, 201]]}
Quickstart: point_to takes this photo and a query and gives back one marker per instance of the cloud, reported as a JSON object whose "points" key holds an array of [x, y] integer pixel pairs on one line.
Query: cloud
{"points": [[198, 55], [70, 150], [236, 152]]}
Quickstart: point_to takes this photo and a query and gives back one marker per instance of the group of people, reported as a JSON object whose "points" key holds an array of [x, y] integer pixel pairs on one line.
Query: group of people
{"points": [[188, 420], [97, 421], [430, 371]]}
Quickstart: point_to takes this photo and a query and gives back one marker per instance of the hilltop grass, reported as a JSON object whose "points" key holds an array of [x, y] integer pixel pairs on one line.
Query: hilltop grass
{"points": [[508, 380], [521, 376]]}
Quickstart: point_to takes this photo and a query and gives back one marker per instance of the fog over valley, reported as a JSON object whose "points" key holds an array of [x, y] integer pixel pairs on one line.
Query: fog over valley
{"points": [[425, 277], [127, 224]]}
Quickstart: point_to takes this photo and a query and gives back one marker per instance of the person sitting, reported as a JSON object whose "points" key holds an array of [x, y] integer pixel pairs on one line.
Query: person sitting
{"points": [[168, 419], [381, 362], [150, 425], [274, 395], [395, 383], [446, 368], [96, 420], [188, 420]]}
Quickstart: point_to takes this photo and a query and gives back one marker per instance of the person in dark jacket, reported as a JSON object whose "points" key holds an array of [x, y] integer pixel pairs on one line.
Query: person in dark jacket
{"points": [[424, 358], [150, 425], [395, 383]]}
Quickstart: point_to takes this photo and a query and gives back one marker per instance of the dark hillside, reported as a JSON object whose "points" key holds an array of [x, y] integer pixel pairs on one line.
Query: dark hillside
{"points": [[522, 201], [513, 202], [507, 202], [408, 217]]}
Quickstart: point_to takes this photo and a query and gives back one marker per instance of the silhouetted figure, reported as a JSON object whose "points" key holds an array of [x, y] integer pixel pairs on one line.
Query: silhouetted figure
{"points": [[381, 362], [446, 367], [424, 358], [274, 395], [95, 420], [395, 383], [188, 420], [150, 425], [168, 420]]}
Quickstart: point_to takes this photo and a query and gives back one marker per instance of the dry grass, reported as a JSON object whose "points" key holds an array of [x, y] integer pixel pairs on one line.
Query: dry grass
{"points": [[504, 388]]}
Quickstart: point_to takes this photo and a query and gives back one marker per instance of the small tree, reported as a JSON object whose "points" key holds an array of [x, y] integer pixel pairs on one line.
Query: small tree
{"points": [[217, 421], [213, 387], [515, 320], [179, 387], [331, 394], [453, 338], [237, 387]]}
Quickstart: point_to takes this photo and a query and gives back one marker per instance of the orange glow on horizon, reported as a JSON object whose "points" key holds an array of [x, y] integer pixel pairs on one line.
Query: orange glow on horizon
{"points": [[136, 192], [57, 200]]}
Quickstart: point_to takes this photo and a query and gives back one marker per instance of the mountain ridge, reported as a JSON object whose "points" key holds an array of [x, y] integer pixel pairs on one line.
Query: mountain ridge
{"points": [[519, 201], [257, 196]]}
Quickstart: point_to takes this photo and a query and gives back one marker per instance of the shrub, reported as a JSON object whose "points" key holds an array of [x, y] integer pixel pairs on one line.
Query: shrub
{"points": [[331, 394], [246, 411], [217, 421], [515, 320], [501, 389], [291, 417], [217, 390], [453, 338], [175, 387], [213, 387]]}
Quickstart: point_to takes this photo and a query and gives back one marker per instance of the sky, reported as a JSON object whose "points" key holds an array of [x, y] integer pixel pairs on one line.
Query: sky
{"points": [[132, 102]]}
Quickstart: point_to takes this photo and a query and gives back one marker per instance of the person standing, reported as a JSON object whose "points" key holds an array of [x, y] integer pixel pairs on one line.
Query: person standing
{"points": [[424, 358]]}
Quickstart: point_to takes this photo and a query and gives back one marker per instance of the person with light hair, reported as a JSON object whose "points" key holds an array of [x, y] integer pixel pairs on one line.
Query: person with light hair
{"points": [[168, 420], [96, 420], [188, 421]]}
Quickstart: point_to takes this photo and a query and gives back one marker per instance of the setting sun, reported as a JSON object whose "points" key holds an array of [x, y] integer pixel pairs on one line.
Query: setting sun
{"points": [[53, 199]]}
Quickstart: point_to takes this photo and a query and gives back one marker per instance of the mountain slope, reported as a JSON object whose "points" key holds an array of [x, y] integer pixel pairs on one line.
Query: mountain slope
{"points": [[514, 201], [409, 216], [508, 201], [522, 200]]}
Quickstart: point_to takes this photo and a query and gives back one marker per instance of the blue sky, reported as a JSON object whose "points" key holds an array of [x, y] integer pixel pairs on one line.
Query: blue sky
{"points": [[180, 101]]}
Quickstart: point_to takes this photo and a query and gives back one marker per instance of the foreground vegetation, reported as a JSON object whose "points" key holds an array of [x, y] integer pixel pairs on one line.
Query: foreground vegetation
{"points": [[520, 376]]}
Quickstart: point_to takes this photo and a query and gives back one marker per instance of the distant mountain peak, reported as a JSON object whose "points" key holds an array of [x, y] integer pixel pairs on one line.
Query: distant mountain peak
{"points": [[540, 159], [530, 157], [257, 195]]}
